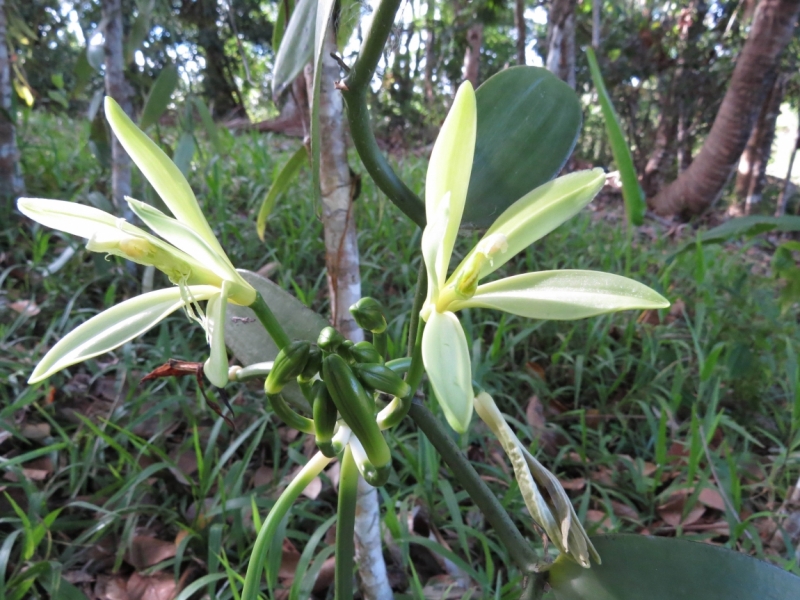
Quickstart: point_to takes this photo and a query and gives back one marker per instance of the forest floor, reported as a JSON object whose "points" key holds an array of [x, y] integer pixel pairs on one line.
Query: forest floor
{"points": [[682, 422]]}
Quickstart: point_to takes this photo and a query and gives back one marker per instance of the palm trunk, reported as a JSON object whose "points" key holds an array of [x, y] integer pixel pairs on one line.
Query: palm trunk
{"points": [[519, 23], [561, 40], [472, 58], [118, 88], [702, 183], [11, 183], [430, 53], [344, 289], [753, 163]]}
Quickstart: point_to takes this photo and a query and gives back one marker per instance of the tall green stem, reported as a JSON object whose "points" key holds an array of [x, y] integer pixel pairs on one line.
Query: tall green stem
{"points": [[345, 526], [354, 91], [270, 323], [258, 557], [519, 549]]}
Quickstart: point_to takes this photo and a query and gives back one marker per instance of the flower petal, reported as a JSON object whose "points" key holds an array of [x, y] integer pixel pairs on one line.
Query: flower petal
{"points": [[216, 367], [564, 295], [192, 244], [161, 172], [114, 327], [446, 358], [432, 251], [451, 164], [538, 213]]}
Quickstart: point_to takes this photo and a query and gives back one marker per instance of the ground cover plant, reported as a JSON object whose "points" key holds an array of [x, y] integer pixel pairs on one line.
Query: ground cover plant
{"points": [[126, 479]]}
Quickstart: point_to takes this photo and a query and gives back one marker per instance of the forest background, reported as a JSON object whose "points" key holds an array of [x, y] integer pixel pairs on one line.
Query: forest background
{"points": [[684, 422]]}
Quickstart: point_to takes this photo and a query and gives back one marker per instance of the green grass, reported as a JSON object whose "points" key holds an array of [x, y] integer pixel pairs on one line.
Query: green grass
{"points": [[708, 396]]}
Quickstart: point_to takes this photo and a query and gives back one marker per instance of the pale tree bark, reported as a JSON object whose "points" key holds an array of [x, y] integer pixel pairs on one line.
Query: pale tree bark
{"points": [[430, 52], [561, 40], [752, 170], [11, 183], [118, 88], [597, 7], [344, 289], [702, 183], [472, 58], [519, 23]]}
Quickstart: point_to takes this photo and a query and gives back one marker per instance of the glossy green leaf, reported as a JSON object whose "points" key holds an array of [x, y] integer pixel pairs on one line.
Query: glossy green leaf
{"points": [[117, 325], [528, 123], [446, 357], [297, 46], [564, 295], [347, 18], [742, 227], [280, 185], [637, 567], [159, 96], [280, 22], [632, 193]]}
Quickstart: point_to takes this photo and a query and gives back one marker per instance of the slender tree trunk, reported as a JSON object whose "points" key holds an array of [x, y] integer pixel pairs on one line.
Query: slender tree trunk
{"points": [[663, 153], [597, 7], [685, 139], [118, 88], [753, 163], [702, 183], [11, 183], [472, 58], [780, 208], [519, 23], [561, 40], [430, 52], [344, 289]]}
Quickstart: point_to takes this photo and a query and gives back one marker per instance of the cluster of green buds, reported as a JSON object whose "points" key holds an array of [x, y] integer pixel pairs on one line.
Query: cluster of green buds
{"points": [[342, 381]]}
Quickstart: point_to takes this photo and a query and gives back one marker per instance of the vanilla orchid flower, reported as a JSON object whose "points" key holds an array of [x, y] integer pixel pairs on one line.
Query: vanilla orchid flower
{"points": [[560, 295], [186, 251]]}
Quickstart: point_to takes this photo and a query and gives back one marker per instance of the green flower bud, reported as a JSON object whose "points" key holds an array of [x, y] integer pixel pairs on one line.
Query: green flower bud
{"points": [[364, 352], [382, 378], [325, 415], [368, 314], [357, 408], [330, 339], [313, 364], [289, 363]]}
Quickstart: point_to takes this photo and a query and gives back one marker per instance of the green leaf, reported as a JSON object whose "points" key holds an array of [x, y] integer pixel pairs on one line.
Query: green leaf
{"points": [[564, 295], [632, 193], [208, 124], [100, 142], [251, 344], [114, 327], [636, 567], [297, 46], [528, 123], [742, 227], [139, 31], [184, 152], [281, 183], [159, 96], [280, 23], [346, 20]]}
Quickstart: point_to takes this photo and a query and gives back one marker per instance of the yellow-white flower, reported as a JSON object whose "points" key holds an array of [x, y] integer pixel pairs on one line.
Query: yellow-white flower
{"points": [[562, 295], [189, 254]]}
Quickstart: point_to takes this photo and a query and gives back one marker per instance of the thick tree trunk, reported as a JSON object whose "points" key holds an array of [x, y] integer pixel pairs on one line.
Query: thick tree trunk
{"points": [[753, 163], [344, 289], [519, 23], [430, 51], [118, 88], [561, 40], [702, 183], [11, 184], [472, 58]]}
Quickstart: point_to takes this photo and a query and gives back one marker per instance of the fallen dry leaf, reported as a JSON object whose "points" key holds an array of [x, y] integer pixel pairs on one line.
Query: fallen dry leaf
{"points": [[27, 308], [711, 498], [146, 551], [599, 518], [159, 586], [111, 588], [264, 475], [623, 510], [573, 484], [35, 431], [672, 511]]}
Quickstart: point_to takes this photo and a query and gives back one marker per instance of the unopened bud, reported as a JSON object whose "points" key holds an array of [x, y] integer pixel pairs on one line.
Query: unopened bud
{"points": [[368, 314], [330, 339], [289, 363]]}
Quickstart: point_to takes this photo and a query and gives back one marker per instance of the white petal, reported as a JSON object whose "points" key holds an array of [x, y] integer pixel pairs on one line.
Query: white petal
{"points": [[432, 252], [114, 327], [216, 367], [451, 165], [538, 213], [564, 295], [446, 358], [161, 172]]}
